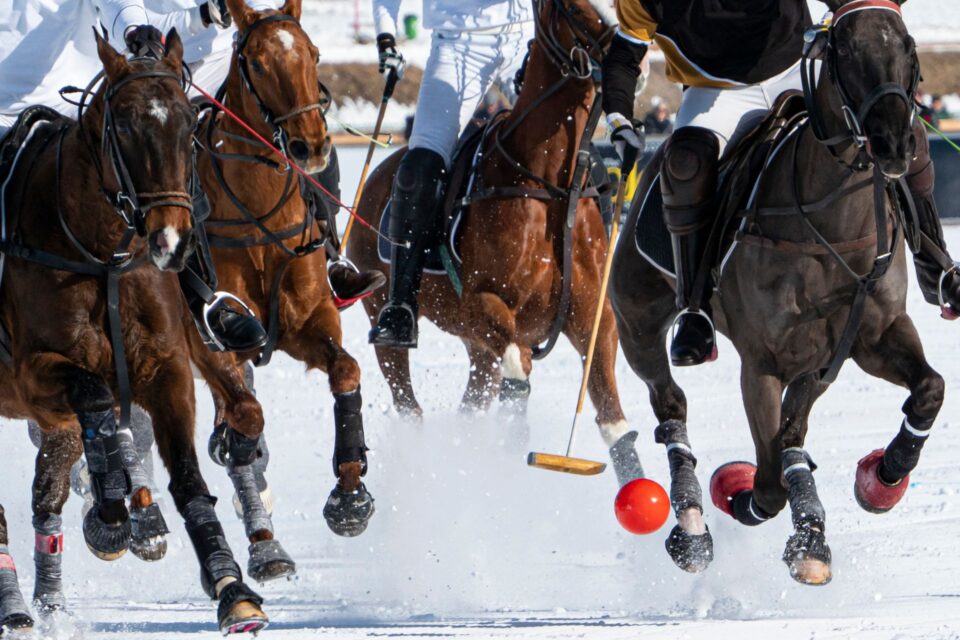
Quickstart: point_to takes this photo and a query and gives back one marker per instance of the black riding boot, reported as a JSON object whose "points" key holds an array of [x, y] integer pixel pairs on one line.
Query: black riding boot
{"points": [[222, 326], [936, 272], [414, 210], [689, 183]]}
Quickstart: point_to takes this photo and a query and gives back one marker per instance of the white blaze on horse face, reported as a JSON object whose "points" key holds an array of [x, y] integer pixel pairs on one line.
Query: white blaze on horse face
{"points": [[613, 431], [286, 39], [606, 10], [167, 242], [157, 110], [512, 364]]}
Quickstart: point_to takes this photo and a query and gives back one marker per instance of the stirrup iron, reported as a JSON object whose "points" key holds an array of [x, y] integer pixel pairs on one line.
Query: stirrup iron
{"points": [[947, 312], [219, 299]]}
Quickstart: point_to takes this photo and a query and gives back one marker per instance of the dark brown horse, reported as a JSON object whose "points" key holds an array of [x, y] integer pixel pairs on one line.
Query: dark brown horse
{"points": [[809, 258], [267, 247], [513, 237], [92, 326]]}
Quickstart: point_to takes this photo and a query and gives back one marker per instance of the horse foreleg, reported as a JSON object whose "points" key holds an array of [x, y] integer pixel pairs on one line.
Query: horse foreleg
{"points": [[483, 381], [168, 398], [897, 356], [59, 449], [350, 506], [13, 610]]}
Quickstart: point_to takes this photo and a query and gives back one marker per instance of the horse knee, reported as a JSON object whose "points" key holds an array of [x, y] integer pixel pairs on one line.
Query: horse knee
{"points": [[344, 374], [927, 397]]}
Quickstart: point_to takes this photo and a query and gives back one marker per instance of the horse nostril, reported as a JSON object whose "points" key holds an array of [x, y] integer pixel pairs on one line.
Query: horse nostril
{"points": [[299, 149]]}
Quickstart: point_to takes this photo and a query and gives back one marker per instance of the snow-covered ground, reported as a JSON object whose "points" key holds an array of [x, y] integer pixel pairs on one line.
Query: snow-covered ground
{"points": [[468, 542]]}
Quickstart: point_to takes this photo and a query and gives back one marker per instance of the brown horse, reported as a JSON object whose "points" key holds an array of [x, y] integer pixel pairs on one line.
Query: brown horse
{"points": [[819, 246], [268, 250], [513, 237], [91, 325]]}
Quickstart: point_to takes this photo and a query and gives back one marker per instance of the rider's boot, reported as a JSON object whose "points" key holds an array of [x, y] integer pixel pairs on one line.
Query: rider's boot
{"points": [[223, 327], [936, 271], [349, 284], [414, 207], [689, 183]]}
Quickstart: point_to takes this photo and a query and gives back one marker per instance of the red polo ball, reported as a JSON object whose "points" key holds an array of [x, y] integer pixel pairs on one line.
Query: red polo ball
{"points": [[642, 506]]}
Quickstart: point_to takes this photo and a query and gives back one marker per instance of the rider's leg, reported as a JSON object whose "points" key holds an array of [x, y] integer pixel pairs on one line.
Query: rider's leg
{"points": [[222, 326], [933, 260], [689, 184], [458, 73]]}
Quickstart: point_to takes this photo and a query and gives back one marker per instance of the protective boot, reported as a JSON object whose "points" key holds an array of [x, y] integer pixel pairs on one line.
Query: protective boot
{"points": [[689, 184], [415, 212], [936, 271]]}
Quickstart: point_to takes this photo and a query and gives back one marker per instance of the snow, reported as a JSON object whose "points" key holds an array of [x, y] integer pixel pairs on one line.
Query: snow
{"points": [[468, 542]]}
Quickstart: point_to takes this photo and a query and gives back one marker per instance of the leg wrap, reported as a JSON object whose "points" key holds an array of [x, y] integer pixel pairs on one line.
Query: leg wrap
{"points": [[349, 445], [255, 515], [48, 559], [626, 462], [747, 511], [903, 453], [13, 610], [513, 390], [684, 487], [101, 445], [131, 460], [210, 544], [805, 505], [142, 428]]}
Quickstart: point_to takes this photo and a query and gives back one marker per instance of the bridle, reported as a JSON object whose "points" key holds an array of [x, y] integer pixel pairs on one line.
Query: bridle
{"points": [[577, 61], [273, 121], [820, 44]]}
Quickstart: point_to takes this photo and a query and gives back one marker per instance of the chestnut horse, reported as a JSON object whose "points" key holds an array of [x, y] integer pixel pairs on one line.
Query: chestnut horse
{"points": [[91, 326], [515, 292], [816, 274], [267, 247]]}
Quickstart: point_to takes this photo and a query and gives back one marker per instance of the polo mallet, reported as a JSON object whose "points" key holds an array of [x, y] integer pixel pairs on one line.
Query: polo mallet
{"points": [[389, 85], [566, 463]]}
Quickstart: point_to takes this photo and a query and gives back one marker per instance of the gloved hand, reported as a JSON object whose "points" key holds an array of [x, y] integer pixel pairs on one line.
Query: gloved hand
{"points": [[144, 41], [624, 132], [215, 12], [390, 58]]}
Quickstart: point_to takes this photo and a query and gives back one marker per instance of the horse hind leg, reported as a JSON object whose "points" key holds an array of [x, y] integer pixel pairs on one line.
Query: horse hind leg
{"points": [[483, 382], [883, 475], [13, 610], [394, 363], [515, 366]]}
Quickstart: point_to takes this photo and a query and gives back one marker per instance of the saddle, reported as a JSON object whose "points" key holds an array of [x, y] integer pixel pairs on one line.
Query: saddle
{"points": [[740, 169], [458, 189], [14, 138]]}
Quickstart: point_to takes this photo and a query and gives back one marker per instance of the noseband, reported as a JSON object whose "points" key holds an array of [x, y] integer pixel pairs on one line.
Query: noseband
{"points": [[279, 134], [820, 43]]}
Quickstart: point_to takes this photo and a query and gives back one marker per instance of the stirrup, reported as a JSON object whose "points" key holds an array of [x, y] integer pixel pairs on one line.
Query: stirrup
{"points": [[219, 299], [713, 329], [947, 312]]}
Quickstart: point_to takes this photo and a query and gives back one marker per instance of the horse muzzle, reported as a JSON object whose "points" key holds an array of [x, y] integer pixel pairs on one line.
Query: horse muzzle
{"points": [[311, 158], [170, 248]]}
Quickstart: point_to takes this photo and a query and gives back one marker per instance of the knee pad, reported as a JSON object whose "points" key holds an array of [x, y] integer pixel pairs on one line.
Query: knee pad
{"points": [[688, 178]]}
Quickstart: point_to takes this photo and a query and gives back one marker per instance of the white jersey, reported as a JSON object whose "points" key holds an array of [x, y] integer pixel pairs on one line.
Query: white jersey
{"points": [[456, 15], [49, 44]]}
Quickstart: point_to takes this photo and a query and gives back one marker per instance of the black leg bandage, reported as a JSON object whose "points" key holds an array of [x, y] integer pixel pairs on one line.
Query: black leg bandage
{"points": [[349, 445], [805, 505], [684, 487], [102, 447], [209, 543], [626, 461], [48, 560], [903, 452]]}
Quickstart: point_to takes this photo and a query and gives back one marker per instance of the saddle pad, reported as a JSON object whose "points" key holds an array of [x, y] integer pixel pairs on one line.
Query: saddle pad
{"points": [[652, 238]]}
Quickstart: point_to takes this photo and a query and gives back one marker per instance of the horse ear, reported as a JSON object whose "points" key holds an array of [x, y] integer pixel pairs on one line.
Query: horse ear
{"points": [[292, 8], [173, 51], [243, 16], [114, 64]]}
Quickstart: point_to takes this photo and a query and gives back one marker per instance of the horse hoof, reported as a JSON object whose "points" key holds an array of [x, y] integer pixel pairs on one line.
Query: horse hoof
{"points": [[348, 512], [691, 552], [269, 561], [729, 480], [49, 604], [106, 541], [239, 610], [17, 622], [808, 557], [872, 493], [148, 529]]}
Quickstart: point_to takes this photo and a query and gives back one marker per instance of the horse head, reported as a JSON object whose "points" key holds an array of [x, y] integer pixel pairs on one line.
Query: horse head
{"points": [[277, 64], [575, 34], [872, 62], [145, 125]]}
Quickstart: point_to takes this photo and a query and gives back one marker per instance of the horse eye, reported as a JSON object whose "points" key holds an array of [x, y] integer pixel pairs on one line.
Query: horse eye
{"points": [[257, 67], [123, 128]]}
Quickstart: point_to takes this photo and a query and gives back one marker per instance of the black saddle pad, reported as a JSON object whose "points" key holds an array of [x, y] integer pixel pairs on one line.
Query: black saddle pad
{"points": [[652, 236]]}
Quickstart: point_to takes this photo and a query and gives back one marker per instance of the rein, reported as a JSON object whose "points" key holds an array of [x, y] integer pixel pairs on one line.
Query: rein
{"points": [[574, 65]]}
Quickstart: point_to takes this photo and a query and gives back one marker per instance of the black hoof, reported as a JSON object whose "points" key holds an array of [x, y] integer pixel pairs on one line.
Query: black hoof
{"points": [[106, 541], [49, 604], [19, 621], [348, 512], [269, 561], [148, 529], [239, 610], [690, 552], [808, 557]]}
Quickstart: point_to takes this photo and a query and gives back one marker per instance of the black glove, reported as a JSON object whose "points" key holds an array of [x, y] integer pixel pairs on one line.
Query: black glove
{"points": [[390, 58], [144, 41], [215, 12], [624, 132]]}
